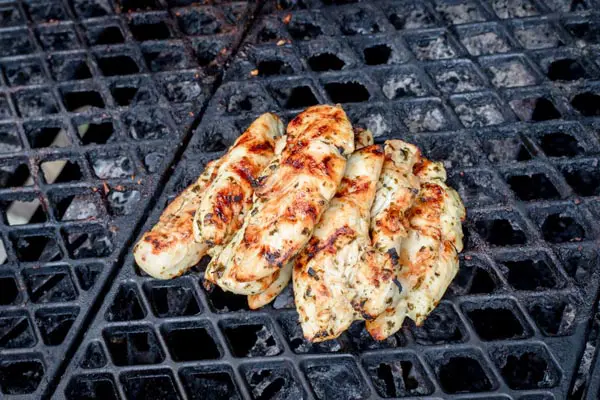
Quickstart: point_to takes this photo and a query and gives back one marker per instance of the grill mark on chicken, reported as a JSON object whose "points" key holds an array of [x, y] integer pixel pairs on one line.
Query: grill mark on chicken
{"points": [[338, 277], [429, 254], [221, 211], [290, 197], [169, 249]]}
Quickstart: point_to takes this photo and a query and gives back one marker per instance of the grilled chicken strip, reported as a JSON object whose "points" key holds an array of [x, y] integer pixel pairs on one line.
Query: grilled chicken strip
{"points": [[429, 254], [226, 282], [291, 199], [362, 138], [282, 278], [339, 277], [169, 248], [229, 197], [396, 192]]}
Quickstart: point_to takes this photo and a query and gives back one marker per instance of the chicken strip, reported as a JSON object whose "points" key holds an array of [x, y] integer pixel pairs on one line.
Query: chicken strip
{"points": [[429, 254], [229, 197], [169, 248], [362, 138], [214, 275], [290, 200], [396, 191], [282, 278], [339, 278]]}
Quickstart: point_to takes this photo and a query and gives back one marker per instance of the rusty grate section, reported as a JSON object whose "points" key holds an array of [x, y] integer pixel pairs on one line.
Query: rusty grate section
{"points": [[506, 93], [95, 98]]}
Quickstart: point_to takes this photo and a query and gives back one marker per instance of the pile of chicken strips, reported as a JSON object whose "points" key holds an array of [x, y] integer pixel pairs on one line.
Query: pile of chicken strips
{"points": [[365, 231]]}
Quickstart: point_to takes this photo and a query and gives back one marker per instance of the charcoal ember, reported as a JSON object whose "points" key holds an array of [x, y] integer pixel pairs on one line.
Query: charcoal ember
{"points": [[421, 119], [436, 49], [375, 119], [124, 202], [398, 378], [506, 149], [264, 344], [460, 13], [9, 141], [20, 74], [183, 91], [535, 109], [35, 104], [568, 320], [377, 124], [117, 167], [146, 125], [338, 380], [514, 8], [359, 22], [153, 161], [411, 16], [403, 86], [511, 74], [89, 244], [457, 81], [285, 299], [485, 43], [80, 208], [479, 115], [538, 37], [272, 383]]}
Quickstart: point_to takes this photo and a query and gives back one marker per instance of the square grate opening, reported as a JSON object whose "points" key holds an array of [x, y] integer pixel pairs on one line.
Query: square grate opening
{"points": [[502, 91]]}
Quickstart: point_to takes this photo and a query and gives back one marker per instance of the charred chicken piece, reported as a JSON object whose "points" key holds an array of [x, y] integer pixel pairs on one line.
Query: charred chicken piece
{"points": [[362, 138], [429, 254], [169, 248], [288, 202], [229, 197], [224, 188], [339, 277]]}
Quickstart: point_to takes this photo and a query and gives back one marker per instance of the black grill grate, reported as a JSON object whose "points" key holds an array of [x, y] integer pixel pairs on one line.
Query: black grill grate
{"points": [[504, 91], [95, 98]]}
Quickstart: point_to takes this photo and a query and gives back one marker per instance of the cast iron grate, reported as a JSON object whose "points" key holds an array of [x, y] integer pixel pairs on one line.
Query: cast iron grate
{"points": [[95, 98], [505, 93]]}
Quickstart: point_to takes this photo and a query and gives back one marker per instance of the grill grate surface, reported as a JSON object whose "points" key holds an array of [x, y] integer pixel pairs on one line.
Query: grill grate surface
{"points": [[94, 99], [504, 91]]}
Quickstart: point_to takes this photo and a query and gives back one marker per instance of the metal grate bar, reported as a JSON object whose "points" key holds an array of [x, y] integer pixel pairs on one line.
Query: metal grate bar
{"points": [[92, 115], [503, 92]]}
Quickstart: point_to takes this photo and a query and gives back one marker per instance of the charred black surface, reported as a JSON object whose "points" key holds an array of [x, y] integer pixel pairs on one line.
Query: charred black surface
{"points": [[505, 93], [96, 97]]}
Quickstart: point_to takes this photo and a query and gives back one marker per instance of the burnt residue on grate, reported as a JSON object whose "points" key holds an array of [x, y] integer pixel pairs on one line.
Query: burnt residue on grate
{"points": [[505, 94], [95, 98]]}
